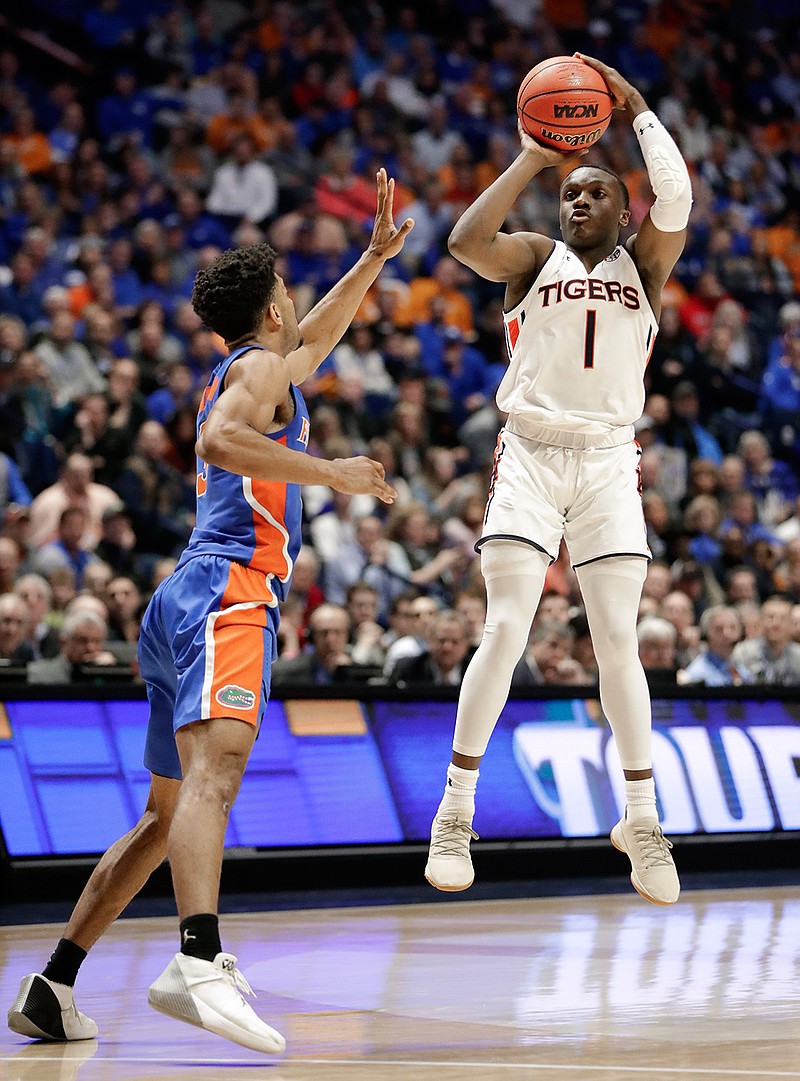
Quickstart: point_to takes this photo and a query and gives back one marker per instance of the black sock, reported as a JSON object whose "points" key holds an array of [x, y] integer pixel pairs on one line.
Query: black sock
{"points": [[200, 936], [64, 963]]}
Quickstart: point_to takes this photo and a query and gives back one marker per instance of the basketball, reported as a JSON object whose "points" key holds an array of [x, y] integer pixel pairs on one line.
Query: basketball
{"points": [[564, 104]]}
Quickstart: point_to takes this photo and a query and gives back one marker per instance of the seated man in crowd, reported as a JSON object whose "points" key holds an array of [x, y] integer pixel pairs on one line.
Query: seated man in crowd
{"points": [[83, 636], [444, 662], [15, 646], [328, 659], [721, 629], [657, 649], [772, 657], [548, 658]]}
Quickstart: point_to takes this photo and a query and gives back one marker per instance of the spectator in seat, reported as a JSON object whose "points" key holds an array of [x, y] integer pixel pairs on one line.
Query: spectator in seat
{"points": [[158, 497], [445, 660], [773, 657], [123, 600], [742, 514], [35, 592], [657, 648], [75, 488], [373, 559], [68, 549], [15, 646], [127, 405], [423, 611], [82, 638], [244, 187], [327, 659], [772, 482], [721, 630], [741, 585], [677, 607], [779, 398], [92, 435], [70, 367], [548, 658], [366, 635]]}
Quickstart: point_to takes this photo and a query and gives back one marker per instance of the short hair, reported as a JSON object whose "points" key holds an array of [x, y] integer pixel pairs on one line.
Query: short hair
{"points": [[655, 629], [717, 610], [79, 618], [361, 587], [232, 295], [623, 187]]}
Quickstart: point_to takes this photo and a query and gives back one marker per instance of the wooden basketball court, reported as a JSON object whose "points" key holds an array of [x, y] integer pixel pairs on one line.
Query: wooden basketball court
{"points": [[557, 989]]}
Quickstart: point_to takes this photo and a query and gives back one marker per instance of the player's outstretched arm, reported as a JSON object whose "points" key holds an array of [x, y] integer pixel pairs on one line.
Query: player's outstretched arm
{"points": [[332, 315], [232, 438], [476, 239], [659, 242]]}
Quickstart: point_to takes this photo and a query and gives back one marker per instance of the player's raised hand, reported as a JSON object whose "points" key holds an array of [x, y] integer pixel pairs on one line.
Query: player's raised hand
{"points": [[386, 239], [623, 92], [362, 476], [548, 154]]}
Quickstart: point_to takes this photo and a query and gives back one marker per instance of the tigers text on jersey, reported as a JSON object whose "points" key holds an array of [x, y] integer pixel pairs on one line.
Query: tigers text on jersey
{"points": [[253, 522], [579, 344]]}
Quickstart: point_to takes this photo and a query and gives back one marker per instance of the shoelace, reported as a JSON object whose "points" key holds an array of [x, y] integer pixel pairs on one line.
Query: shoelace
{"points": [[653, 845], [238, 980], [452, 838]]}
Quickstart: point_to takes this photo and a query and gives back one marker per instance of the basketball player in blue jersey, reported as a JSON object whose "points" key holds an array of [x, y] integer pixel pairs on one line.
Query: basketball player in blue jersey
{"points": [[581, 315], [208, 636]]}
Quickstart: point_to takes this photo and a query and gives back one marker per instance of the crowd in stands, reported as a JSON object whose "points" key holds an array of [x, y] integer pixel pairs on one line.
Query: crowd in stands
{"points": [[138, 140]]}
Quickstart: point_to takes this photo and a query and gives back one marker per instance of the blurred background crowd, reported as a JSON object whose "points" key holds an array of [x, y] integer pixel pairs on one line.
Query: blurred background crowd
{"points": [[139, 139]]}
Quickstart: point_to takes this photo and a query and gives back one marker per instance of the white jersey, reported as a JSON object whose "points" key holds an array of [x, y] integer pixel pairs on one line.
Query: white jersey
{"points": [[579, 343]]}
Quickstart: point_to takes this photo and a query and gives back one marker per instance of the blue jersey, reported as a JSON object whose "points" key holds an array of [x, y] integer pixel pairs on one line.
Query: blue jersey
{"points": [[252, 522]]}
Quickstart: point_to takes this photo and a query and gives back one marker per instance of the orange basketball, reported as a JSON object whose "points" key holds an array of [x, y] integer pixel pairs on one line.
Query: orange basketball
{"points": [[564, 104]]}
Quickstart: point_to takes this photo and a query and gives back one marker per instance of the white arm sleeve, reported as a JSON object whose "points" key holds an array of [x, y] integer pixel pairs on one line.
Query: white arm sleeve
{"points": [[668, 174]]}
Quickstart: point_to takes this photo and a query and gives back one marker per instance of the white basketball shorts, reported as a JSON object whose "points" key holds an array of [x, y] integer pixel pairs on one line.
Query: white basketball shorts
{"points": [[540, 493]]}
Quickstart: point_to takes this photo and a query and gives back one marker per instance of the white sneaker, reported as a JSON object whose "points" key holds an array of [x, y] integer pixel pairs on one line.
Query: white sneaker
{"points": [[45, 1010], [449, 866], [209, 994], [653, 871]]}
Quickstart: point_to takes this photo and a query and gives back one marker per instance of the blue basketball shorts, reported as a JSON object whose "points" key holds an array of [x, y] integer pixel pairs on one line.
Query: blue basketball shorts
{"points": [[207, 642]]}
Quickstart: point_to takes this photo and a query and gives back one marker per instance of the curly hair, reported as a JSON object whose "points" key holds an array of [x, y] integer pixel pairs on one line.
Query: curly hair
{"points": [[233, 293]]}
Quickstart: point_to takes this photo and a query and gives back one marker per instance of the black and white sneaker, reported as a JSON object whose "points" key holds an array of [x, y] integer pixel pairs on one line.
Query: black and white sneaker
{"points": [[45, 1010]]}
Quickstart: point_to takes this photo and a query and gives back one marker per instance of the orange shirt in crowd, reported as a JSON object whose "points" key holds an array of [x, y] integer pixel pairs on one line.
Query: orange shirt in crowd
{"points": [[32, 151], [222, 130], [783, 242], [416, 305]]}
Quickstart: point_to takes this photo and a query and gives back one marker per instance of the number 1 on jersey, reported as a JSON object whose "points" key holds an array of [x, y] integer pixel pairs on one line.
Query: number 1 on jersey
{"points": [[588, 341]]}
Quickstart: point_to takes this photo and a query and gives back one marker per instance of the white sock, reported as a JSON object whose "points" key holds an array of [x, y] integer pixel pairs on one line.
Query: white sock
{"points": [[640, 799], [459, 792]]}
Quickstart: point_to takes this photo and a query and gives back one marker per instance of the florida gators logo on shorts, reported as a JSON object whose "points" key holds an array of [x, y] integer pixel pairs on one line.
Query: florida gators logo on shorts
{"points": [[235, 697]]}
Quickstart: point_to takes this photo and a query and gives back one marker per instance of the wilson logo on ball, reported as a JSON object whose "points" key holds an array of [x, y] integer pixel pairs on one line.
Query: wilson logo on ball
{"points": [[582, 139]]}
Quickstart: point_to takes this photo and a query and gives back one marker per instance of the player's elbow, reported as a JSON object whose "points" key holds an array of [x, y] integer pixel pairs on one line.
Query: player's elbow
{"points": [[214, 442], [455, 242]]}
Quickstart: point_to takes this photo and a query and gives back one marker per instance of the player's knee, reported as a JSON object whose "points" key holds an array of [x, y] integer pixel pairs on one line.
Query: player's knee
{"points": [[155, 826], [504, 640], [617, 642], [218, 780]]}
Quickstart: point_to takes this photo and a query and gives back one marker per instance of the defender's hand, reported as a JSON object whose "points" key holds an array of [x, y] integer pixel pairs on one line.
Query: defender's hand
{"points": [[357, 476], [386, 240]]}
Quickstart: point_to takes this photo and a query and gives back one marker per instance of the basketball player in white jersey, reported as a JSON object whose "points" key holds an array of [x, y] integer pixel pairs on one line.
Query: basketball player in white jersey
{"points": [[581, 316]]}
